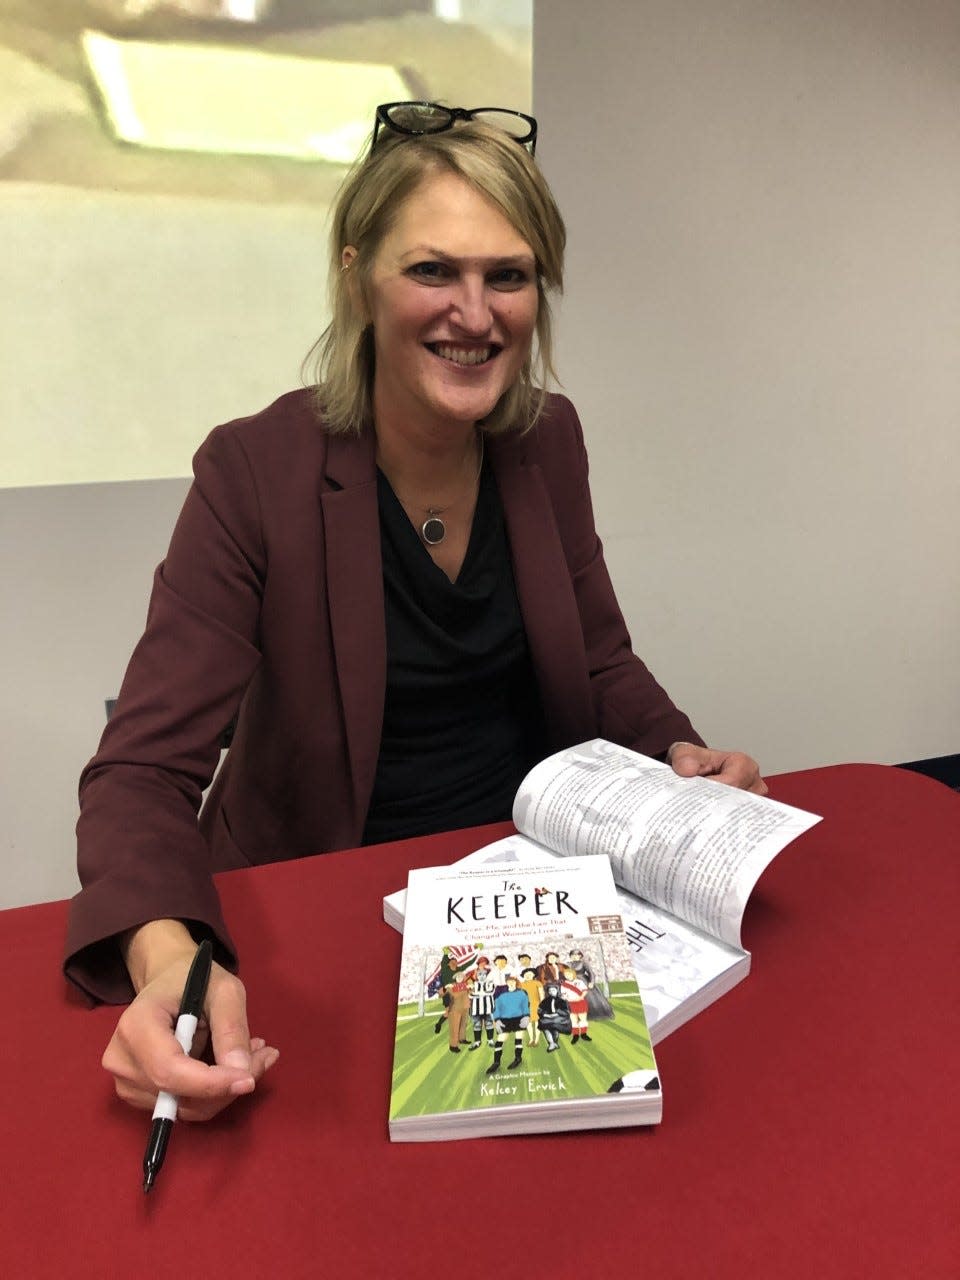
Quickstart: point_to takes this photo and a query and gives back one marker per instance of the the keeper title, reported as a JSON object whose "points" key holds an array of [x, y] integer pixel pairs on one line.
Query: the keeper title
{"points": [[511, 904]]}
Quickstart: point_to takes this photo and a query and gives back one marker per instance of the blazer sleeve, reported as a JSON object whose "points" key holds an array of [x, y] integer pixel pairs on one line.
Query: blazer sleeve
{"points": [[141, 855], [631, 708]]}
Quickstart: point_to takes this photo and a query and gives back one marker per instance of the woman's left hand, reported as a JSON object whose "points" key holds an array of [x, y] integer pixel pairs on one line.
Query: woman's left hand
{"points": [[730, 767]]}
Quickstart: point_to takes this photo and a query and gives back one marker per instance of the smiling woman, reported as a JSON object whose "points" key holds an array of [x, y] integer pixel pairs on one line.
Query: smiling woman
{"points": [[452, 320], [445, 246], [452, 324], [391, 582], [497, 176]]}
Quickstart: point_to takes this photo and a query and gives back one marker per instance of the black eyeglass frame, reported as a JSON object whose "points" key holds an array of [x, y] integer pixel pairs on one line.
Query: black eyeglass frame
{"points": [[453, 114]]}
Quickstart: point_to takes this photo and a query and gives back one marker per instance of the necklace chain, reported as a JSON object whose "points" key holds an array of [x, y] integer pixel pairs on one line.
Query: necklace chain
{"points": [[433, 531]]}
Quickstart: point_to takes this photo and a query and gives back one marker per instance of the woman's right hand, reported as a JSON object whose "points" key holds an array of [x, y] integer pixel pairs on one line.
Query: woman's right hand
{"points": [[143, 1055]]}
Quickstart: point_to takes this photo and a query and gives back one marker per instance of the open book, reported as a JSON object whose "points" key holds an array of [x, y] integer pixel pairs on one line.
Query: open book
{"points": [[685, 853], [527, 974]]}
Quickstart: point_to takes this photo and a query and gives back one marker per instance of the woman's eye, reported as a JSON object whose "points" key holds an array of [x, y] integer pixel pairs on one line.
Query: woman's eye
{"points": [[430, 272], [508, 278]]}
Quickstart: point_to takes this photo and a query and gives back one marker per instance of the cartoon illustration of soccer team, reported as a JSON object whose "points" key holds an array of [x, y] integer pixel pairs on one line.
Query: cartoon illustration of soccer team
{"points": [[532, 1003]]}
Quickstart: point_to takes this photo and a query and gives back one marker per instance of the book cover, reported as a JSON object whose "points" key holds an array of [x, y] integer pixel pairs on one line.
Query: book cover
{"points": [[518, 1010]]}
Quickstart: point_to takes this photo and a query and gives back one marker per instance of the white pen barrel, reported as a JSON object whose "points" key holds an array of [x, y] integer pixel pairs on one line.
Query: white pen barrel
{"points": [[185, 1029], [166, 1106]]}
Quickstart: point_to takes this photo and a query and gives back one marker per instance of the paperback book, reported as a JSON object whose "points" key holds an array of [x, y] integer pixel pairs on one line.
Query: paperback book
{"points": [[518, 1009], [685, 853]]}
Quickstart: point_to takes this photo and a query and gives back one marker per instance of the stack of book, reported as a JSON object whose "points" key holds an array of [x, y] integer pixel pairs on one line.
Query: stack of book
{"points": [[609, 920]]}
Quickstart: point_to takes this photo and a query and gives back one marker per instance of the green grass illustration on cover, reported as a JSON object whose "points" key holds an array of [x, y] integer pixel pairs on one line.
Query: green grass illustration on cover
{"points": [[518, 1009]]}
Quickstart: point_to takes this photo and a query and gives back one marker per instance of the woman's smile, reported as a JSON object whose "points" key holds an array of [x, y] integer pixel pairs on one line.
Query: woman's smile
{"points": [[463, 356]]}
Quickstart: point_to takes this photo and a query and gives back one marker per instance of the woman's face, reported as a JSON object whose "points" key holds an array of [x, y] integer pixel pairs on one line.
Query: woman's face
{"points": [[453, 301]]}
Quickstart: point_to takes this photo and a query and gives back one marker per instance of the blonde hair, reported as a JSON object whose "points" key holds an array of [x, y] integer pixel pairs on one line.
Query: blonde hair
{"points": [[367, 207]]}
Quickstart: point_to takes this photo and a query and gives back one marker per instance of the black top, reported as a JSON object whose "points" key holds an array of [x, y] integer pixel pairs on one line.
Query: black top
{"points": [[462, 719]]}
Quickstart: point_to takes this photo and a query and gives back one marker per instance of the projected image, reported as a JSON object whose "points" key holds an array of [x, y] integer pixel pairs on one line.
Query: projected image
{"points": [[166, 168]]}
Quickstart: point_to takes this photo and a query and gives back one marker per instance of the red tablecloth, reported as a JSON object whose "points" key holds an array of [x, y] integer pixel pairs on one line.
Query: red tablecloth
{"points": [[810, 1116]]}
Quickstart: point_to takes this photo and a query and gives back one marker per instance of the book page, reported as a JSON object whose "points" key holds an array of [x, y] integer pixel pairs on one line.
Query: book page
{"points": [[679, 969], [692, 846]]}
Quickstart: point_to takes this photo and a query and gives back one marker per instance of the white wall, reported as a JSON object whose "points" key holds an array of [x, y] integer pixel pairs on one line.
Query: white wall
{"points": [[75, 568], [762, 333]]}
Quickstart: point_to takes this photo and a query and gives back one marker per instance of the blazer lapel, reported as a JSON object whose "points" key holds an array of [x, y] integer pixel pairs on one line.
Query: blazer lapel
{"points": [[545, 591], [355, 594]]}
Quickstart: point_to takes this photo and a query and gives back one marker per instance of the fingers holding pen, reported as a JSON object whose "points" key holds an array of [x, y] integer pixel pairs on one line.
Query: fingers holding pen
{"points": [[144, 1057], [233, 1048]]}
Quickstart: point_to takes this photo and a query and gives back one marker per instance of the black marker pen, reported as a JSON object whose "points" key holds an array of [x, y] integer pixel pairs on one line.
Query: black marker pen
{"points": [[165, 1112]]}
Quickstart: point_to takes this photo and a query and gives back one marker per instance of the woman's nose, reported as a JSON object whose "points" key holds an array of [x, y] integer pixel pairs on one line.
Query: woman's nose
{"points": [[471, 309]]}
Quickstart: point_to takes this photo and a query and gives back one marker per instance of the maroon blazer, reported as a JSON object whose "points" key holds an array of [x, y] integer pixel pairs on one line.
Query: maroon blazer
{"points": [[270, 602]]}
